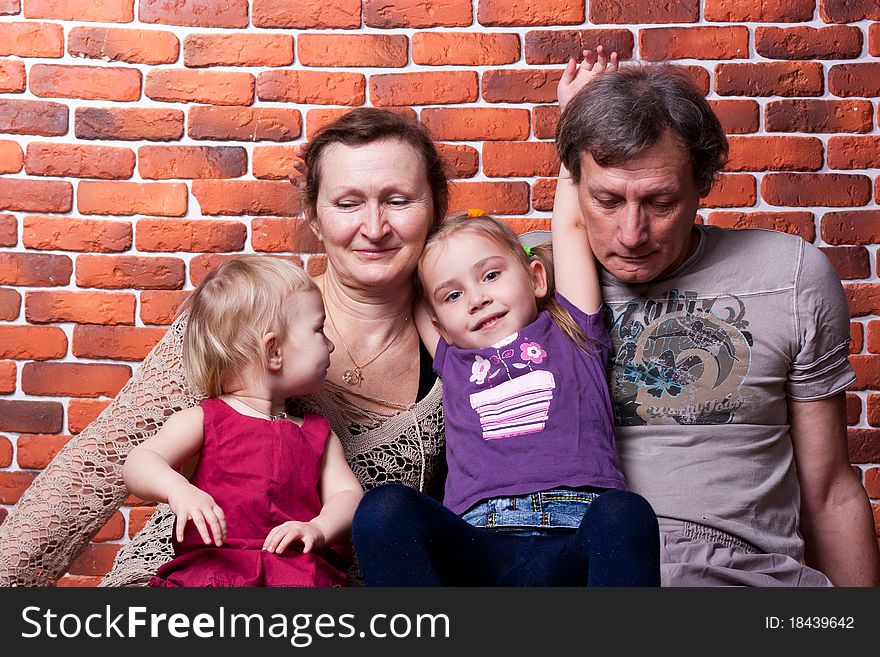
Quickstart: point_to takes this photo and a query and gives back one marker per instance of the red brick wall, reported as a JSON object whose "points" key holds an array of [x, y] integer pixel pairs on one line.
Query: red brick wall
{"points": [[141, 139]]}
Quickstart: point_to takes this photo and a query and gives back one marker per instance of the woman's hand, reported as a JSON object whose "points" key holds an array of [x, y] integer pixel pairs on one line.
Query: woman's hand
{"points": [[307, 533], [576, 76], [191, 503]]}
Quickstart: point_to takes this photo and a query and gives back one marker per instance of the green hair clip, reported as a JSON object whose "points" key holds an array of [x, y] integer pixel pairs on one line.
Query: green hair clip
{"points": [[528, 251]]}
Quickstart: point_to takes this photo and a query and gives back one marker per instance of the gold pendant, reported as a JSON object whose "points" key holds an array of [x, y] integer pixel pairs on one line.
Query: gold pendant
{"points": [[353, 377]]}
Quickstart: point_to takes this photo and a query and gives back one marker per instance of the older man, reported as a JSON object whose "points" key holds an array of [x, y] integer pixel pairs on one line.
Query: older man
{"points": [[730, 351]]}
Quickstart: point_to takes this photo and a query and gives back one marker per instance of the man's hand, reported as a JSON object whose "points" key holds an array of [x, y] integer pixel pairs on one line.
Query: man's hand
{"points": [[576, 76], [191, 503], [307, 533]]}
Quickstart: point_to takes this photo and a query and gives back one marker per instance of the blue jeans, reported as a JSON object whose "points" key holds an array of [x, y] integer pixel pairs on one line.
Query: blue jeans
{"points": [[405, 538]]}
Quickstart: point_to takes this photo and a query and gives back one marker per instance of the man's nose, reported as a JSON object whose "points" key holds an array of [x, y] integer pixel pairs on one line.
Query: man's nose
{"points": [[633, 226]]}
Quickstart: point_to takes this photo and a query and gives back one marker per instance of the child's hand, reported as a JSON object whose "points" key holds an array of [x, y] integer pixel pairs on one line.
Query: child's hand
{"points": [[307, 533], [576, 76], [191, 503]]}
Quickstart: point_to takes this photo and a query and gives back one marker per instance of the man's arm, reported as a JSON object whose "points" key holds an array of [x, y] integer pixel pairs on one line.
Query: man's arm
{"points": [[836, 519]]}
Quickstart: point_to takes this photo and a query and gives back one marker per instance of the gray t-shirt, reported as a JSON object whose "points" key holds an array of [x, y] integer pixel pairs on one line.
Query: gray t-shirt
{"points": [[703, 363]]}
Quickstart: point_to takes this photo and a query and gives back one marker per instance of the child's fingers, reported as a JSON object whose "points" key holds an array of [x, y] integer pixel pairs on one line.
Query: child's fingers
{"points": [[589, 60], [612, 64], [291, 535], [569, 72], [214, 524], [180, 525], [200, 524], [601, 59], [308, 543], [221, 517]]}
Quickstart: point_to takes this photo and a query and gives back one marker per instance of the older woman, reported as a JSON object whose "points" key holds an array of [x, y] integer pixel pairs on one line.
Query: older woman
{"points": [[374, 188]]}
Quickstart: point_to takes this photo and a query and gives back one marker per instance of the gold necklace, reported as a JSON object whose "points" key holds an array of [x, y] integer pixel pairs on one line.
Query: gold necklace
{"points": [[355, 377], [281, 415]]}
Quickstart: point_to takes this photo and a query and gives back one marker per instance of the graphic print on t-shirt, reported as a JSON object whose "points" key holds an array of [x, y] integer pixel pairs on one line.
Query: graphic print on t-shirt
{"points": [[517, 398], [678, 359]]}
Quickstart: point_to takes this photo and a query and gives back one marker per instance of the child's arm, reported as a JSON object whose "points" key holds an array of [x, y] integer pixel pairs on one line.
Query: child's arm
{"points": [[340, 493], [428, 332], [574, 266], [149, 472]]}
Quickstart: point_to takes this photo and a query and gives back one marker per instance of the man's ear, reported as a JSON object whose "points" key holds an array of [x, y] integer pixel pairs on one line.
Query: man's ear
{"points": [[272, 351], [539, 278]]}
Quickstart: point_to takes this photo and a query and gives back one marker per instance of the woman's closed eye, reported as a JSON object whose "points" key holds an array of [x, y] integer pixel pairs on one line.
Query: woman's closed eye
{"points": [[399, 201]]}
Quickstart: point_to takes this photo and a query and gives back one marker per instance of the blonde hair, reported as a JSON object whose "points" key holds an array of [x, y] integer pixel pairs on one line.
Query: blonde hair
{"points": [[231, 310], [502, 235]]}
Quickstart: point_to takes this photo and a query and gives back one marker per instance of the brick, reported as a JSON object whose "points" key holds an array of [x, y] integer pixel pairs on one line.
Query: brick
{"points": [[137, 519], [120, 272], [124, 45], [163, 162], [851, 227], [526, 159], [211, 87], [353, 50], [201, 265], [9, 8], [107, 11], [33, 117], [12, 76], [73, 379], [264, 197], [284, 235], [78, 581], [775, 154], [274, 162], [74, 234], [78, 161], [731, 190], [556, 46], [8, 230], [95, 559], [128, 124], [238, 50], [25, 416], [544, 121], [5, 450], [89, 82], [424, 88], [114, 342], [316, 118], [850, 262], [37, 270], [614, 11], [803, 42], [32, 342], [194, 13], [526, 13], [463, 49], [128, 198], [35, 195], [853, 410], [848, 11], [665, 43], [476, 123], [244, 124], [819, 189], [855, 79], [112, 530], [190, 235], [819, 116], [81, 413], [459, 160], [492, 197], [759, 11], [872, 482], [35, 451], [700, 76], [13, 485], [864, 446], [520, 86], [793, 223], [867, 370], [8, 376], [737, 116], [854, 152], [417, 13], [874, 40], [340, 14], [543, 191], [161, 306], [857, 337], [80, 307], [11, 158], [769, 79], [31, 39], [863, 298], [317, 265], [312, 87]]}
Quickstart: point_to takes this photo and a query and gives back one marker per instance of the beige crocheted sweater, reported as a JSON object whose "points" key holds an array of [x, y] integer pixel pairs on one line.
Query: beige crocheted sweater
{"points": [[82, 487]]}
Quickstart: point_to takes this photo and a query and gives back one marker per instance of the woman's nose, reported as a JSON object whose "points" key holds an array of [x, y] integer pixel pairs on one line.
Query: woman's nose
{"points": [[375, 224]]}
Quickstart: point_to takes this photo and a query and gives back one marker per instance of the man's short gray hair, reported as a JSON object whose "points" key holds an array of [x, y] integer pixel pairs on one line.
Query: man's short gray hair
{"points": [[620, 114]]}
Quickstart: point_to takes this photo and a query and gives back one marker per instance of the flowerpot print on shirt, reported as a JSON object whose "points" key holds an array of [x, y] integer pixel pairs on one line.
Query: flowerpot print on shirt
{"points": [[517, 398]]}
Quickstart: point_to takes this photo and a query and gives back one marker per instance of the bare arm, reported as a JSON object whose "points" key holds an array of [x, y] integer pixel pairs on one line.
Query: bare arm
{"points": [[836, 518], [428, 332], [341, 493]]}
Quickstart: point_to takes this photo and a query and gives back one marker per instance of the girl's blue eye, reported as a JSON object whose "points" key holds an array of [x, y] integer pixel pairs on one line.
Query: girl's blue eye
{"points": [[492, 275], [452, 296]]}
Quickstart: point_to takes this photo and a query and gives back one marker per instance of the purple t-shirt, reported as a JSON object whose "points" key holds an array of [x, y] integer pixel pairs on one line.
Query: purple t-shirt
{"points": [[529, 413]]}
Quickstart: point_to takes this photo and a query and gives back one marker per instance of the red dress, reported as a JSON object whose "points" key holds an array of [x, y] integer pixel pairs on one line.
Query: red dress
{"points": [[262, 473]]}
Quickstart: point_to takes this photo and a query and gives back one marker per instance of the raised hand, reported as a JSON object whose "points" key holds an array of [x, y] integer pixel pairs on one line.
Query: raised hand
{"points": [[191, 503], [299, 165], [576, 76], [307, 533]]}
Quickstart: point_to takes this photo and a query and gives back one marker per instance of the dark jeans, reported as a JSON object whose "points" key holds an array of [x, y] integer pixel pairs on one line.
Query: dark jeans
{"points": [[405, 538]]}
